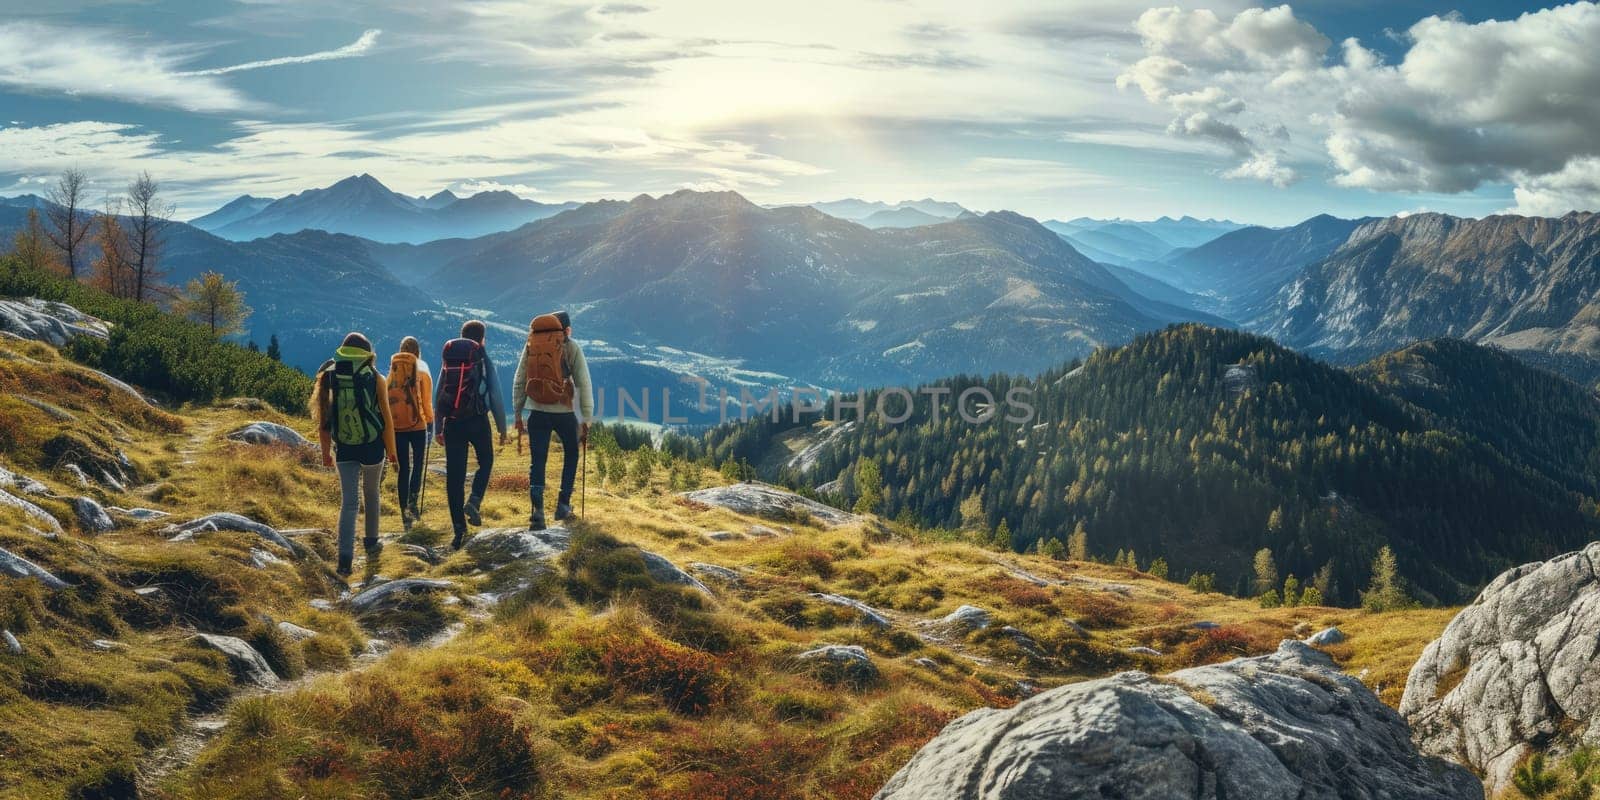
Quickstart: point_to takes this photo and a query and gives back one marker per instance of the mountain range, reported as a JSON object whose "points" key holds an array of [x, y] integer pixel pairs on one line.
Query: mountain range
{"points": [[1131, 242], [362, 206]]}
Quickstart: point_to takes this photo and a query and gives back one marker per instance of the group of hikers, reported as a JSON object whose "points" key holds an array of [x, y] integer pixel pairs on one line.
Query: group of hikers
{"points": [[365, 418]]}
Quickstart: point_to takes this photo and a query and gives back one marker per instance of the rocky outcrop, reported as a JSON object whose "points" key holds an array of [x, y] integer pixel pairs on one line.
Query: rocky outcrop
{"points": [[664, 571], [16, 566], [52, 323], [269, 433], [964, 620], [228, 522], [13, 646], [1514, 671], [1284, 726], [839, 663], [29, 510], [715, 572], [868, 614], [501, 546], [92, 517], [762, 500], [294, 632], [388, 593], [20, 483], [248, 665], [1325, 637]]}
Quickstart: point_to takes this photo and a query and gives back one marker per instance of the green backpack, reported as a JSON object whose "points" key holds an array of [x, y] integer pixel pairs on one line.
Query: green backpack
{"points": [[356, 419]]}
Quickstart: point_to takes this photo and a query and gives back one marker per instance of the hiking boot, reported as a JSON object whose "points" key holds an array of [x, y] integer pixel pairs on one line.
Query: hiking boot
{"points": [[407, 520], [563, 511], [416, 510], [536, 522], [455, 544], [373, 547], [346, 566], [471, 510]]}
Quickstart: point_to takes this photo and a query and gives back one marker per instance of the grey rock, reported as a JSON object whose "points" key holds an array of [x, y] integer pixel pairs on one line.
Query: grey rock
{"points": [[390, 592], [715, 572], [1023, 641], [1514, 671], [722, 536], [78, 475], [52, 410], [497, 547], [248, 666], [30, 511], [842, 663], [965, 619], [763, 532], [106, 645], [21, 483], [139, 514], [1325, 637], [13, 646], [269, 433], [229, 522], [295, 632], [926, 663], [418, 551], [763, 500], [1204, 626], [321, 604], [92, 517], [52, 323], [16, 566], [665, 571], [1286, 726], [1142, 651], [261, 559], [869, 615]]}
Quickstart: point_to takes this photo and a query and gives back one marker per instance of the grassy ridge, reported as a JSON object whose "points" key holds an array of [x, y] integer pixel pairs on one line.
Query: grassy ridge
{"points": [[172, 357]]}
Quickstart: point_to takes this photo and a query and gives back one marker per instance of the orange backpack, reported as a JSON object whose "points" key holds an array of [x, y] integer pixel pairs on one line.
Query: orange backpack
{"points": [[544, 362], [405, 404]]}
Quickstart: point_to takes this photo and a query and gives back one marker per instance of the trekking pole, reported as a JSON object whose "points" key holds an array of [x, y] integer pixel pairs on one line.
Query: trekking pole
{"points": [[427, 452], [583, 480]]}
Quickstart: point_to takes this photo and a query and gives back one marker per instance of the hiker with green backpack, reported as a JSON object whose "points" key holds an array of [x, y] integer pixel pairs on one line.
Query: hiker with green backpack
{"points": [[550, 373], [467, 398], [411, 404], [350, 404]]}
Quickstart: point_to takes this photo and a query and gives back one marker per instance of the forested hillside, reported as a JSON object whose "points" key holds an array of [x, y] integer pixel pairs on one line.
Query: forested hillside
{"points": [[1201, 446]]}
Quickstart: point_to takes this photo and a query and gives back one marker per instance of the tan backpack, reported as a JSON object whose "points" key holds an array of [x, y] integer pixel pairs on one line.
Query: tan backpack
{"points": [[404, 395], [545, 364]]}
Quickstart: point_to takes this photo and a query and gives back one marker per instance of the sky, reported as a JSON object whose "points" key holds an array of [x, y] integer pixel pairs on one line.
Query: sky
{"points": [[1053, 108]]}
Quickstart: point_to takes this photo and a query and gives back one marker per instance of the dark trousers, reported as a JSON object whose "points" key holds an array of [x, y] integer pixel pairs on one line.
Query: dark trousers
{"points": [[540, 425], [459, 434], [413, 449]]}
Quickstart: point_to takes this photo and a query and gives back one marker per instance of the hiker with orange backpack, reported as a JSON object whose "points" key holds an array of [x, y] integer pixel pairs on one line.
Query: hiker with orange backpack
{"points": [[355, 427], [550, 372], [468, 395], [411, 404]]}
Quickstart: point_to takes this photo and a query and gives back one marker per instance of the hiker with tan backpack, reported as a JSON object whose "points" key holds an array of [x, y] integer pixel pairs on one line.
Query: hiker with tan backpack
{"points": [[411, 404], [550, 373]]}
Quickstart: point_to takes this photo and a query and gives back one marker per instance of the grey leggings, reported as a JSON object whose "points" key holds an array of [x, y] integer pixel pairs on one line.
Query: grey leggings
{"points": [[371, 478]]}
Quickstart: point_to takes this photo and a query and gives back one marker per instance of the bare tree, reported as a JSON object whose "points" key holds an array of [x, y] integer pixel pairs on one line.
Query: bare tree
{"points": [[113, 270], [148, 217], [68, 221]]}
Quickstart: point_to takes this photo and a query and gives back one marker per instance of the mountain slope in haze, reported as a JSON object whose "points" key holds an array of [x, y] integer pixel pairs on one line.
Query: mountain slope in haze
{"points": [[859, 210], [1202, 446], [901, 218], [239, 208], [1177, 233], [363, 206], [1524, 283], [1242, 267], [797, 291], [1120, 243]]}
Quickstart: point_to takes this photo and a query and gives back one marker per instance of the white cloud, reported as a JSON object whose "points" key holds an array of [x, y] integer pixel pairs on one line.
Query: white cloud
{"points": [[97, 63], [359, 47], [1469, 104]]}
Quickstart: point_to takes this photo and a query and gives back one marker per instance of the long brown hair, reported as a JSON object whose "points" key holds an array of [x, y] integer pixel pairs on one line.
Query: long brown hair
{"points": [[321, 401]]}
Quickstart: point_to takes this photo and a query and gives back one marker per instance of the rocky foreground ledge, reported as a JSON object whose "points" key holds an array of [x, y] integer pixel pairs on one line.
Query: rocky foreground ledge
{"points": [[1287, 725]]}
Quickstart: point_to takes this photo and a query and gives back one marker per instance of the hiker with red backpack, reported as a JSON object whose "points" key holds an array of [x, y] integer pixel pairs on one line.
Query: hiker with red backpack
{"points": [[550, 372], [350, 405], [411, 404], [468, 395]]}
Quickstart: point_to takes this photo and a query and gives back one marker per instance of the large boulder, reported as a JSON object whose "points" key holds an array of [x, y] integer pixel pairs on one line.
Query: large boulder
{"points": [[269, 433], [1515, 670], [92, 517], [1285, 726], [20, 483], [665, 571], [763, 500], [389, 593], [247, 664], [52, 323], [869, 615], [498, 547], [848, 664]]}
